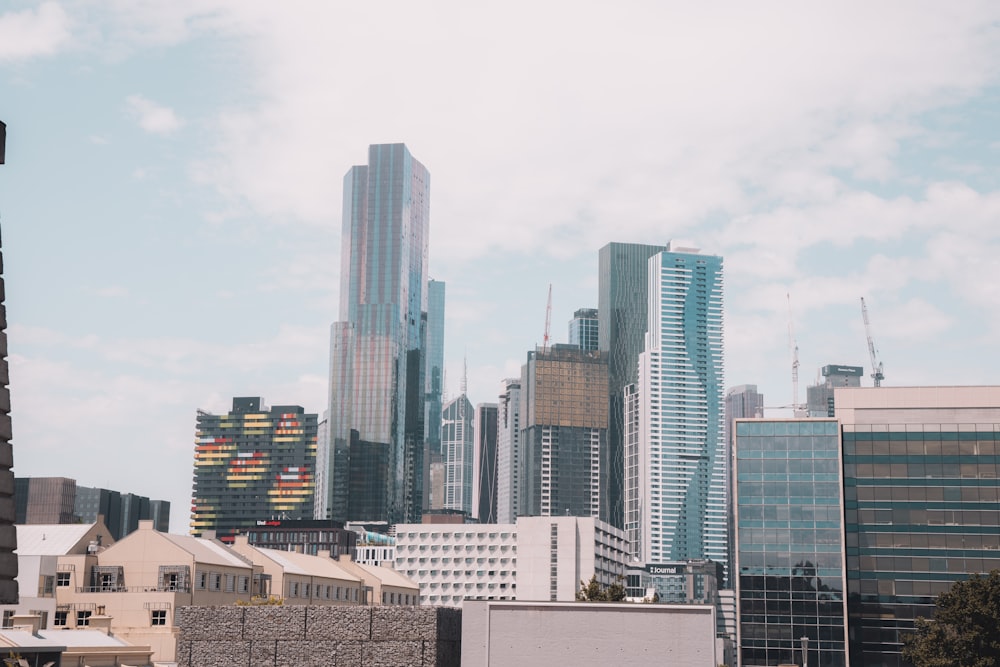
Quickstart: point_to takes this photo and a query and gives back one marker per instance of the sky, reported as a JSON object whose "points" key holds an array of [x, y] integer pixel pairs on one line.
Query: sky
{"points": [[171, 200]]}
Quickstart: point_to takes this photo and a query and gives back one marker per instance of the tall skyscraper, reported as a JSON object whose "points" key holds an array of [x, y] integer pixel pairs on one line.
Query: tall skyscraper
{"points": [[789, 564], [508, 449], [564, 427], [486, 463], [253, 464], [458, 443], [434, 380], [621, 314], [680, 490], [583, 329], [378, 382]]}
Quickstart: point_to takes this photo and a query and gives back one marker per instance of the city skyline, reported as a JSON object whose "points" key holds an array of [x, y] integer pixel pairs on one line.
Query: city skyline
{"points": [[170, 200]]}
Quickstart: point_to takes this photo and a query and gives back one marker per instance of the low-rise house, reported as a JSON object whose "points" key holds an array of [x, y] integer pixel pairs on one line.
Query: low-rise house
{"points": [[383, 585], [47, 558], [303, 579], [140, 580]]}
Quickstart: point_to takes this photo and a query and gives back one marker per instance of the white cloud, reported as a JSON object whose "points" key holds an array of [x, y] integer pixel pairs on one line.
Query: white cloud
{"points": [[33, 33], [151, 116]]}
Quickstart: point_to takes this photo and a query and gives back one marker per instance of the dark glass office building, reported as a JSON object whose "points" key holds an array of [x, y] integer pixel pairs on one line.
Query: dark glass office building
{"points": [[486, 462], [253, 464], [789, 543], [378, 382], [621, 315], [922, 475]]}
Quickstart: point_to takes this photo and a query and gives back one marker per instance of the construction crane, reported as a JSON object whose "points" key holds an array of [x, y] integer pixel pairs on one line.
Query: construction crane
{"points": [[548, 322], [877, 373], [793, 348]]}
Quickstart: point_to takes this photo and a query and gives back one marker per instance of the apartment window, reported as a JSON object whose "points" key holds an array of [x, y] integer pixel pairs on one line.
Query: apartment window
{"points": [[201, 580], [83, 618], [293, 589], [216, 581], [158, 617], [8, 618], [62, 579], [306, 590], [230, 583], [244, 584], [60, 619], [46, 586]]}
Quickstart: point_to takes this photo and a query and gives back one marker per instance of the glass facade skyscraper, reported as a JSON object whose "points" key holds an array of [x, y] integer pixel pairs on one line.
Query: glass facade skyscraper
{"points": [[676, 505], [458, 444], [378, 379], [486, 462], [789, 565], [583, 329], [621, 315]]}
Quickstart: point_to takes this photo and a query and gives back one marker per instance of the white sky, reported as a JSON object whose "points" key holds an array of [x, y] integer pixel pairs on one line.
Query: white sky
{"points": [[170, 204]]}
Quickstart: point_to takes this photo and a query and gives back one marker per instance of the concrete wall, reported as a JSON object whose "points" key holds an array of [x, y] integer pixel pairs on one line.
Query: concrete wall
{"points": [[529, 634], [276, 636]]}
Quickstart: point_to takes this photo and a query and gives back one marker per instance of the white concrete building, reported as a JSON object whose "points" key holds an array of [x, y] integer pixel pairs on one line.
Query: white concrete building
{"points": [[536, 558], [508, 449], [543, 634]]}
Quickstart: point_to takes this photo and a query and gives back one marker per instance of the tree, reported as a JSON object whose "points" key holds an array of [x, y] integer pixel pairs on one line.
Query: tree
{"points": [[965, 630], [592, 591]]}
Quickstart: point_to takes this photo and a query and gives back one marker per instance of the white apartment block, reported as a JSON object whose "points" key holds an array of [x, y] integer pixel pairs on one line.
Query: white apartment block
{"points": [[508, 449], [536, 558]]}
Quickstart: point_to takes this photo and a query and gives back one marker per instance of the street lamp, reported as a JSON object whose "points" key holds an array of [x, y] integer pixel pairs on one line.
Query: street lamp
{"points": [[805, 651]]}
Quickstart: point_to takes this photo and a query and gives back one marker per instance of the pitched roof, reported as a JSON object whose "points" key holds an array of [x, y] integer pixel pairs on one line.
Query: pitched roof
{"points": [[388, 576], [208, 551], [314, 566], [50, 539]]}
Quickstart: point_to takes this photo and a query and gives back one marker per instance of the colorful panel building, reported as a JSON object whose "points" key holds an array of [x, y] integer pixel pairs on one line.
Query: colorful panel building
{"points": [[253, 464]]}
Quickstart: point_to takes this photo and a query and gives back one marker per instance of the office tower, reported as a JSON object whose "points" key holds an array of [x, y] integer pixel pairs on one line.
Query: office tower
{"points": [[486, 462], [253, 464], [321, 502], [742, 402], [789, 567], [44, 500], [8, 543], [583, 329], [680, 488], [508, 449], [922, 492], [819, 397], [433, 384], [458, 444], [621, 314], [60, 500], [377, 361], [564, 430]]}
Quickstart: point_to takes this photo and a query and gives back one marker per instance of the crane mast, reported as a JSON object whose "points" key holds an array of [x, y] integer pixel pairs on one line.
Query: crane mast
{"points": [[877, 374], [548, 321]]}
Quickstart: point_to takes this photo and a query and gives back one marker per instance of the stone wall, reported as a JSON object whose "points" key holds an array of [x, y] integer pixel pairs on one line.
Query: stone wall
{"points": [[280, 636]]}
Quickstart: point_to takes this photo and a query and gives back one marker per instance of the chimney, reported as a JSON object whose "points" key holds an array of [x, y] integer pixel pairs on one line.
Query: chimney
{"points": [[27, 622], [101, 622]]}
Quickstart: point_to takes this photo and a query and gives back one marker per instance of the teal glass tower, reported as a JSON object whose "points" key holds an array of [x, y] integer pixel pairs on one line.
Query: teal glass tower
{"points": [[675, 494], [789, 543], [378, 347]]}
